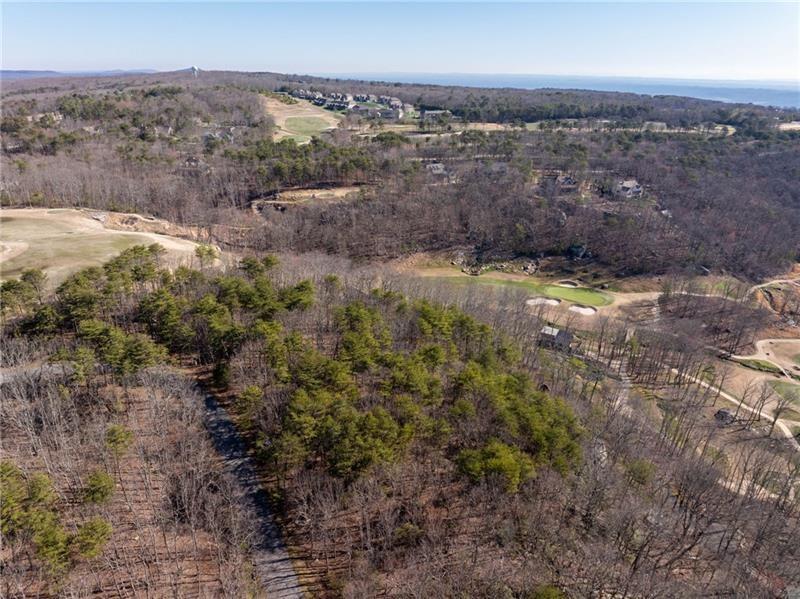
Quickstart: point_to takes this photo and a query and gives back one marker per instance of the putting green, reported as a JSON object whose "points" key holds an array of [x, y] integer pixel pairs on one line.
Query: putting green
{"points": [[576, 295]]}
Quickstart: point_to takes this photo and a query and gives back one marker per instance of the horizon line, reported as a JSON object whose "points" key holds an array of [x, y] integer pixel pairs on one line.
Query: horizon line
{"points": [[384, 74]]}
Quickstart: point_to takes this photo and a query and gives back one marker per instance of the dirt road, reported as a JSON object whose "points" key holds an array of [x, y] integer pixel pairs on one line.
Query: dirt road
{"points": [[271, 560], [780, 425]]}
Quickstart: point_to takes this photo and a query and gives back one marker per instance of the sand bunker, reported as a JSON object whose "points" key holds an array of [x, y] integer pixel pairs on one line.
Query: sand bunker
{"points": [[542, 301], [584, 310], [567, 283]]}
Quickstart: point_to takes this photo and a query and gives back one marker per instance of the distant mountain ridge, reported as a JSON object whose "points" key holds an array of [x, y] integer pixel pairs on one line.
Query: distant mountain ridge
{"points": [[10, 75]]}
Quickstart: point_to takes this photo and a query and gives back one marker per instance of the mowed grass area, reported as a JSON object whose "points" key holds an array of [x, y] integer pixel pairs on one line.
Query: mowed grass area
{"points": [[786, 389], [576, 295], [760, 365], [63, 242], [790, 391], [303, 128], [796, 359], [300, 120], [52, 244]]}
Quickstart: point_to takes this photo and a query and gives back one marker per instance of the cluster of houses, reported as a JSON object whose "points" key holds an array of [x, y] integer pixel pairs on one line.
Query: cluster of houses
{"points": [[383, 107], [45, 118], [565, 183]]}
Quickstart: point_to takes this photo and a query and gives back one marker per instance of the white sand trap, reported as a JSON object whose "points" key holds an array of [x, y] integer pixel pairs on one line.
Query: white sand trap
{"points": [[584, 310], [542, 301], [568, 283]]}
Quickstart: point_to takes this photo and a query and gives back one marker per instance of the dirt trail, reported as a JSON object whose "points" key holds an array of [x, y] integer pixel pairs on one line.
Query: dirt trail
{"points": [[766, 351], [780, 425], [270, 558], [755, 288]]}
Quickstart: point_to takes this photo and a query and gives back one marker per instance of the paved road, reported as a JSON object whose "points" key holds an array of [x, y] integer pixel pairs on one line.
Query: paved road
{"points": [[271, 560]]}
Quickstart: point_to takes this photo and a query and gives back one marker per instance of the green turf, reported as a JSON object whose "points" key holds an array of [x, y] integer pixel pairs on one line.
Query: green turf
{"points": [[787, 390], [305, 126], [579, 295], [54, 245], [760, 365], [796, 358]]}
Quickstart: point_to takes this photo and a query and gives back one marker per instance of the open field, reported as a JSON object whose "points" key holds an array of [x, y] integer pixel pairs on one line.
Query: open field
{"points": [[576, 295], [319, 193], [306, 126], [63, 241], [300, 121]]}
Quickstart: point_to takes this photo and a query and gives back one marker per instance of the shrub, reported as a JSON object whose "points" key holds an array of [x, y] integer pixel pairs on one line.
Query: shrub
{"points": [[99, 487], [496, 459], [118, 439], [640, 471], [91, 537]]}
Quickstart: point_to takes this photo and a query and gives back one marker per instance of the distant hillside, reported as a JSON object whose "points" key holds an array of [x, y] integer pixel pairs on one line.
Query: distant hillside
{"points": [[13, 75], [719, 180]]}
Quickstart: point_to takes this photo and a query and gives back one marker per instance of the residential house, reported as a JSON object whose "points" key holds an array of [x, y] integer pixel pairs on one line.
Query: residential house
{"points": [[629, 188], [567, 183], [434, 115], [436, 168]]}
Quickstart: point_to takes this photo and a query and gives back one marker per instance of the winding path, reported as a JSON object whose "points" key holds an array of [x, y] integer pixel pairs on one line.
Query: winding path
{"points": [[762, 353], [739, 403]]}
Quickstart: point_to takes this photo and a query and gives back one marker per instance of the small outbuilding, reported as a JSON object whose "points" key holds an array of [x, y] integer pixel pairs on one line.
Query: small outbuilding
{"points": [[436, 168], [554, 338]]}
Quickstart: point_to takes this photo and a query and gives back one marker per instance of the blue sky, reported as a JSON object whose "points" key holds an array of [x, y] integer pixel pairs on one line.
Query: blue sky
{"points": [[664, 39]]}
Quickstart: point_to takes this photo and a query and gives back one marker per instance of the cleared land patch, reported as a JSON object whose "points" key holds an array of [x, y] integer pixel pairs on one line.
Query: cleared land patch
{"points": [[300, 121], [318, 193], [63, 241]]}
